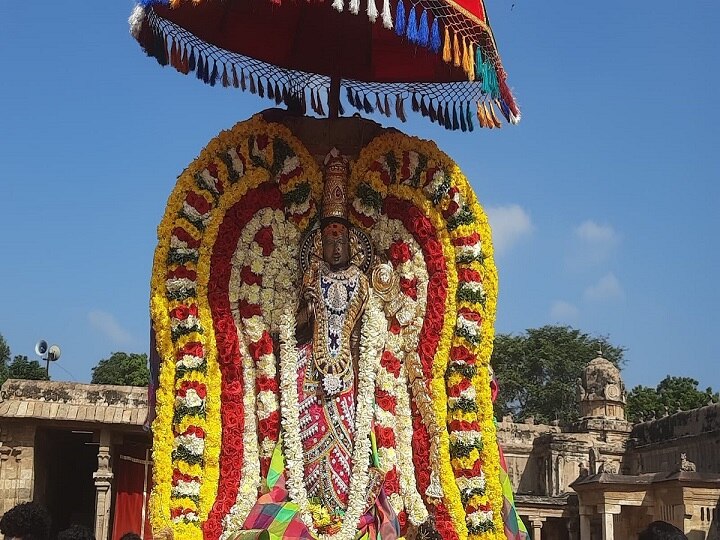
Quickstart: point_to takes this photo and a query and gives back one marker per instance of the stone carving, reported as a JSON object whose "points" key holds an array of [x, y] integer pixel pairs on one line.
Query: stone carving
{"points": [[584, 471], [609, 467], [685, 464]]}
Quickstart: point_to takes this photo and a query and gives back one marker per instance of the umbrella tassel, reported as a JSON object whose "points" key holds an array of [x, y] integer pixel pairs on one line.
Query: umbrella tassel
{"points": [[424, 32], [440, 116], [278, 94], [463, 124], [321, 111], [243, 84], [412, 27], [423, 108], [350, 97], [270, 90], [457, 59], [214, 74], [191, 60], [378, 105], [173, 54], [469, 120], [260, 88], [387, 106], [400, 109], [235, 81], [435, 41], [358, 101], [338, 5], [313, 105], [415, 104], [447, 56], [354, 6], [253, 89], [160, 49], [493, 117], [372, 11], [366, 105], [448, 122], [455, 124], [400, 18], [387, 15], [431, 112], [184, 61], [225, 79], [341, 109], [481, 115], [303, 102], [200, 67]]}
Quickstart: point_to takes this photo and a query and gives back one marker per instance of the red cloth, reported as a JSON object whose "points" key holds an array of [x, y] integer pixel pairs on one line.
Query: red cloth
{"points": [[132, 486], [314, 37]]}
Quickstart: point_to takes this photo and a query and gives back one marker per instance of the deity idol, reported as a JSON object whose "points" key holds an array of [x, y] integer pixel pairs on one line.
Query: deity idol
{"points": [[324, 335]]}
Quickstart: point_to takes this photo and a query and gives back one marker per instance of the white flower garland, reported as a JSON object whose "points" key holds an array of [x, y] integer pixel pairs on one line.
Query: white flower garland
{"points": [[372, 339]]}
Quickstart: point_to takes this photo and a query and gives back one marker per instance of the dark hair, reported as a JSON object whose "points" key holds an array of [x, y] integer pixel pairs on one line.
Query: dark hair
{"points": [[29, 521], [76, 532], [130, 536], [662, 530]]}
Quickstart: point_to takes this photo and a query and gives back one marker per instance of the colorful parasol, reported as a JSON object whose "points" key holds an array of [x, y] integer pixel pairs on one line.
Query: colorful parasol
{"points": [[437, 58]]}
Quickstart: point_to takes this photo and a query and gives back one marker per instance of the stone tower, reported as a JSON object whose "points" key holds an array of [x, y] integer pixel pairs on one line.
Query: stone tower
{"points": [[601, 391]]}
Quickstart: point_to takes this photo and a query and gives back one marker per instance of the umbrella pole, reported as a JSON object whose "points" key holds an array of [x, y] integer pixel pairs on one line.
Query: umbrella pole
{"points": [[334, 97]]}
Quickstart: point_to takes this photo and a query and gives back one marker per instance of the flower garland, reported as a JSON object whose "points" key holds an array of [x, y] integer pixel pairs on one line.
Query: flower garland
{"points": [[372, 340], [417, 172], [189, 486]]}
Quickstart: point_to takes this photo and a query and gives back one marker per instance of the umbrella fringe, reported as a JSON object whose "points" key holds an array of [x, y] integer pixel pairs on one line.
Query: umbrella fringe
{"points": [[214, 74], [378, 105], [225, 79], [366, 105], [412, 27], [191, 61], [435, 41], [235, 81], [468, 116], [278, 94], [448, 122], [387, 15], [253, 89], [423, 108], [400, 18], [260, 88], [200, 67], [270, 90], [349, 96], [440, 115], [400, 108], [415, 104], [206, 73], [321, 111], [431, 112], [455, 124], [387, 106], [463, 124], [424, 31], [447, 54], [313, 105], [354, 7], [372, 11], [358, 101]]}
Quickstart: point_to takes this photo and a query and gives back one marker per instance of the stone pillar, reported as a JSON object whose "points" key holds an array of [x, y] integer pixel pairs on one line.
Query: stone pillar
{"points": [[103, 484], [585, 513], [607, 515], [537, 523], [573, 529]]}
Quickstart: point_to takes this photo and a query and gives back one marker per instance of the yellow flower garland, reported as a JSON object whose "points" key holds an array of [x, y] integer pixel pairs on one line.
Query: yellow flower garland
{"points": [[160, 306]]}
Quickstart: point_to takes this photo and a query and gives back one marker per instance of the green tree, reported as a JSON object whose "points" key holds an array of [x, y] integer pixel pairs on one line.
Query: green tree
{"points": [[123, 369], [537, 371], [4, 359], [22, 368], [672, 394]]}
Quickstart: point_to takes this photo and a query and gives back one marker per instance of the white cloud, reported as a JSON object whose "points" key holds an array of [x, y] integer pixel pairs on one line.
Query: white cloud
{"points": [[509, 224], [562, 311], [607, 288], [105, 322], [595, 243]]}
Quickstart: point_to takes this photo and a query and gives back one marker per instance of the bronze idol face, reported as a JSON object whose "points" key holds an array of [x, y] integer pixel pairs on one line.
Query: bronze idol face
{"points": [[336, 247]]}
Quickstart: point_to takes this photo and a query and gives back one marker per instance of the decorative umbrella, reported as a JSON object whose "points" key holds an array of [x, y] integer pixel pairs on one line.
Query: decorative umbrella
{"points": [[437, 57]]}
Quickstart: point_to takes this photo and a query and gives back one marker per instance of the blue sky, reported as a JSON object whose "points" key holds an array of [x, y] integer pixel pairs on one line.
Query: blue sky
{"points": [[603, 200]]}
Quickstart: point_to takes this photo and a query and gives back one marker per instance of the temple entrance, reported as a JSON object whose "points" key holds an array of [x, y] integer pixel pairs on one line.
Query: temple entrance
{"points": [[65, 461]]}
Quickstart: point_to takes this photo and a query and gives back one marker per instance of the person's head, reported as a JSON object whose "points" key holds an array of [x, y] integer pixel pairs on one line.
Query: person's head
{"points": [[336, 245], [661, 530], [130, 536], [26, 521], [76, 532]]}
